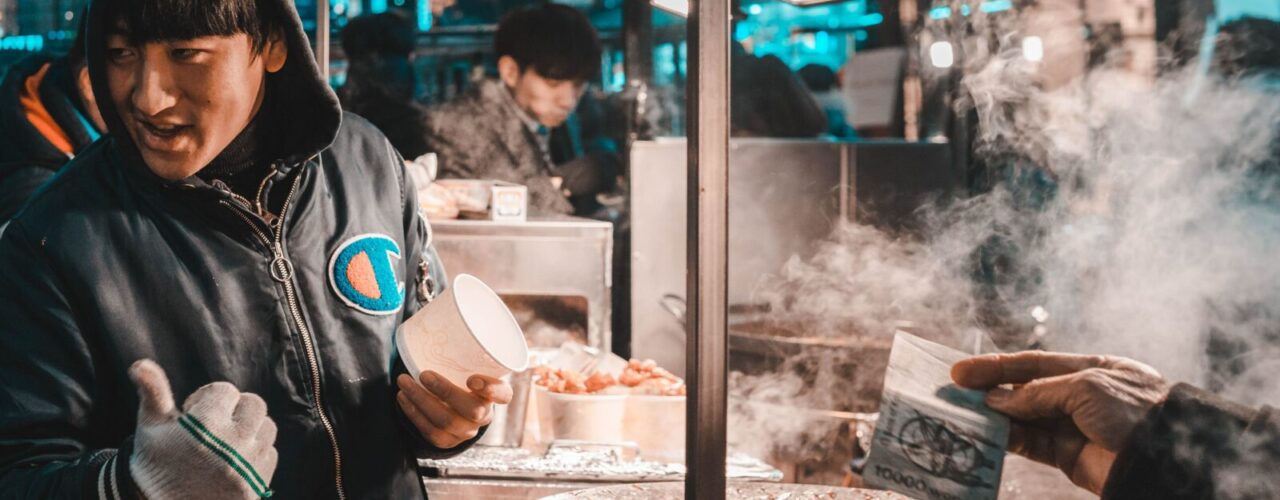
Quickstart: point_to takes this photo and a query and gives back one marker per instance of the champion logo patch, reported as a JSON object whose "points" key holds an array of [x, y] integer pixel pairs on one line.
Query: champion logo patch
{"points": [[363, 274]]}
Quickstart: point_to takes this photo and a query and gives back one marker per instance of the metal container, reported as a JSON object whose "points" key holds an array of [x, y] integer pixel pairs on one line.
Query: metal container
{"points": [[857, 359], [784, 196], [562, 257]]}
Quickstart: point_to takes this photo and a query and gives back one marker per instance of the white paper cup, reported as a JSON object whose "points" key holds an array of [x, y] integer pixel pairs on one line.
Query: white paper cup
{"points": [[583, 417], [656, 424], [465, 331]]}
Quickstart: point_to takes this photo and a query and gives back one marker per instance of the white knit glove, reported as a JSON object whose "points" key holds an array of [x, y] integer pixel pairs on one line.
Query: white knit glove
{"points": [[219, 447]]}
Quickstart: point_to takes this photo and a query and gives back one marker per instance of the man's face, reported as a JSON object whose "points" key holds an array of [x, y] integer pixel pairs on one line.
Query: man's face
{"points": [[548, 101], [183, 102]]}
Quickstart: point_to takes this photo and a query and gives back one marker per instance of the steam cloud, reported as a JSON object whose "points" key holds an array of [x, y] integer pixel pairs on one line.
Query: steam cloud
{"points": [[1132, 217]]}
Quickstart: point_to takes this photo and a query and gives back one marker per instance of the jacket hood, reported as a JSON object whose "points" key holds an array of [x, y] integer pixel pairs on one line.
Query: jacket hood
{"points": [[22, 145], [298, 91]]}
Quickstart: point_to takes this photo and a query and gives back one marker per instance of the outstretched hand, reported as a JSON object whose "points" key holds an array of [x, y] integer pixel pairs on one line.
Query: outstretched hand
{"points": [[1071, 411]]}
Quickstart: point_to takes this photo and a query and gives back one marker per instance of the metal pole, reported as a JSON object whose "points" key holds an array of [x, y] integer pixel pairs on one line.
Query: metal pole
{"points": [[322, 37], [637, 40], [708, 248]]}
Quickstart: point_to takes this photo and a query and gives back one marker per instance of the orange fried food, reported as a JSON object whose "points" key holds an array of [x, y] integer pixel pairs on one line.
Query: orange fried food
{"points": [[600, 381]]}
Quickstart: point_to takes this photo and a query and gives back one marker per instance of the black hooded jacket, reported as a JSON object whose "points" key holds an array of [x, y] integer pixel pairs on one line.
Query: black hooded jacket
{"points": [[109, 264], [27, 157]]}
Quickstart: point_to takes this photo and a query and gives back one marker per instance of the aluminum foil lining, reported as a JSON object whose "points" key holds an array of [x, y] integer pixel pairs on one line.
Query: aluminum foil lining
{"points": [[735, 490], [582, 464]]}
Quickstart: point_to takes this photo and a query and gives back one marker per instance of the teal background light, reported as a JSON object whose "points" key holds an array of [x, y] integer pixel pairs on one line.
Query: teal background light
{"points": [[425, 19]]}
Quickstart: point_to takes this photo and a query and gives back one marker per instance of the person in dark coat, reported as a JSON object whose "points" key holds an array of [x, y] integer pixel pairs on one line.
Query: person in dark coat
{"points": [[236, 244], [47, 116], [1118, 429], [769, 100], [380, 83], [501, 129]]}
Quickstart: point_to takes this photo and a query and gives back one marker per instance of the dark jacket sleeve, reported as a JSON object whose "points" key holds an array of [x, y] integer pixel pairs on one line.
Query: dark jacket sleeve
{"points": [[46, 387], [419, 247], [1196, 445], [465, 154], [17, 186]]}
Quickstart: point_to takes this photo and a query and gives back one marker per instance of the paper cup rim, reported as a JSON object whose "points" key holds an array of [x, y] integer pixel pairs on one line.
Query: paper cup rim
{"points": [[524, 364], [657, 397], [586, 397]]}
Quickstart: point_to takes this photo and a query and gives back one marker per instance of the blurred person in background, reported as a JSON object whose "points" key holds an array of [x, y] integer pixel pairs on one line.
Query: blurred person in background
{"points": [[381, 84], [47, 115], [1117, 428], [769, 100], [825, 85], [501, 129]]}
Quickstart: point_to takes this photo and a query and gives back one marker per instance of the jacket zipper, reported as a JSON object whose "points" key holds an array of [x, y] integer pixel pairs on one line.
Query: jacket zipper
{"points": [[282, 272]]}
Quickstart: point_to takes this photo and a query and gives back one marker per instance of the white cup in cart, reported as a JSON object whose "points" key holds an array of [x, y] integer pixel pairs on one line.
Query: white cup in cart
{"points": [[656, 424], [465, 331], [595, 418]]}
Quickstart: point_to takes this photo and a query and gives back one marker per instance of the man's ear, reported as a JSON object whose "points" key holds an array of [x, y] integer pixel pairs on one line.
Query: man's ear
{"points": [[90, 101], [509, 70], [276, 52]]}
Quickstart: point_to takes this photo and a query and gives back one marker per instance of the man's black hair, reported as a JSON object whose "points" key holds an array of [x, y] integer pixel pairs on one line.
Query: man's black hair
{"points": [[386, 34], [146, 21], [1249, 45], [556, 41], [75, 56]]}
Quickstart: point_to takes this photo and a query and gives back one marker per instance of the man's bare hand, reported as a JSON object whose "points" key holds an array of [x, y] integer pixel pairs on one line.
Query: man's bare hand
{"points": [[1071, 411], [448, 415]]}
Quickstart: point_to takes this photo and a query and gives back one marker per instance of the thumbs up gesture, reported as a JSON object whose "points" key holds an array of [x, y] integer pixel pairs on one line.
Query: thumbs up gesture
{"points": [[220, 446]]}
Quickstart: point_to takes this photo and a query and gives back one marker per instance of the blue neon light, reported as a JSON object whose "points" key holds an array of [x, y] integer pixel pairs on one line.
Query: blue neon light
{"points": [[425, 19], [871, 19], [1230, 10], [377, 6], [29, 43], [938, 13], [996, 6]]}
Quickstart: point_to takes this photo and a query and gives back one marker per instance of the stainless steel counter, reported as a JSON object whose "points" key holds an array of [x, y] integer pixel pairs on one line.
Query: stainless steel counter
{"points": [[560, 257]]}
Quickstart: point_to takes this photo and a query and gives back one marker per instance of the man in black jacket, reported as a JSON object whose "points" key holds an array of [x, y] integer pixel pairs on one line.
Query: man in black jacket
{"points": [[501, 129], [1118, 429], [47, 116], [254, 247]]}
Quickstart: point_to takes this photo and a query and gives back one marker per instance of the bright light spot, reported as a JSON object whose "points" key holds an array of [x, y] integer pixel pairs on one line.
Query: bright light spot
{"points": [[677, 7], [755, 9], [940, 55], [996, 6], [69, 15], [1033, 49], [378, 6], [1040, 314], [940, 12], [425, 18]]}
